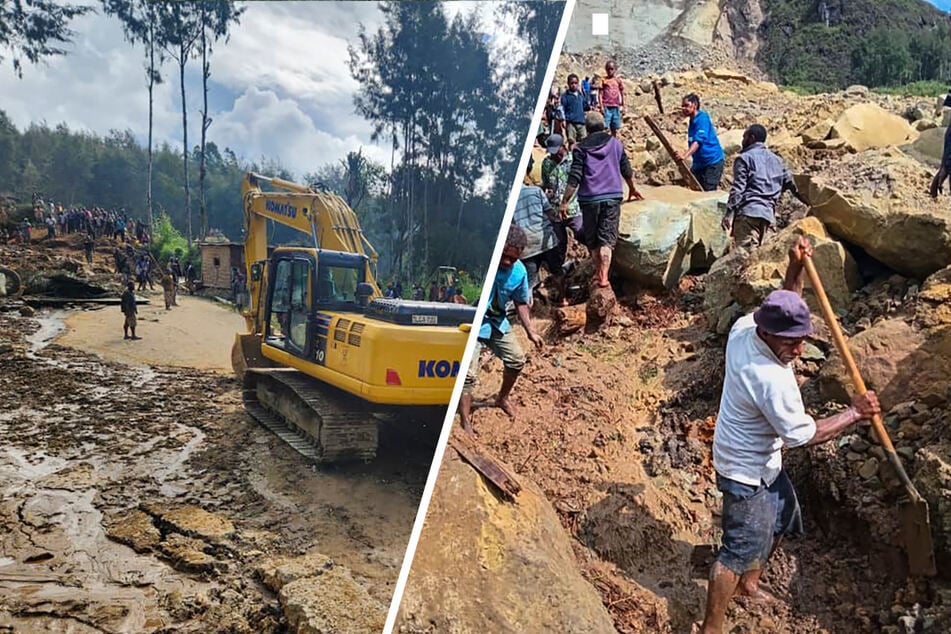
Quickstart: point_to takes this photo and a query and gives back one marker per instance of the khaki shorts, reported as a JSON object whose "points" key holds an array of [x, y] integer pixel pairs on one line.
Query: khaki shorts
{"points": [[576, 131], [129, 321], [505, 347]]}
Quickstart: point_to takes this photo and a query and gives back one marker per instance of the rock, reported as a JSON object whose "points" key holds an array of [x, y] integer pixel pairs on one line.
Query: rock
{"points": [[485, 565], [647, 87], [601, 303], [869, 469], [187, 554], [27, 311], [651, 144], [277, 573], [134, 529], [934, 300], [5, 347], [816, 132], [858, 444], [329, 603], [886, 230], [727, 74], [747, 279], [867, 125], [731, 141], [925, 124], [768, 87], [897, 361], [857, 90], [826, 144], [673, 231], [193, 521]]}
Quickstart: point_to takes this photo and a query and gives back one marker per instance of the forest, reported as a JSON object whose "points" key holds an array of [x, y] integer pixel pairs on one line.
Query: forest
{"points": [[430, 93]]}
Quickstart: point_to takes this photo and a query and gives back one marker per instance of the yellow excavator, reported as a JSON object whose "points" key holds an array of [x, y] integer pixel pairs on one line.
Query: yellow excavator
{"points": [[325, 354]]}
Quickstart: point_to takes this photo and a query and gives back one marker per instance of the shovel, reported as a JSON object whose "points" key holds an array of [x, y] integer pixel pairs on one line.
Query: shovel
{"points": [[913, 509]]}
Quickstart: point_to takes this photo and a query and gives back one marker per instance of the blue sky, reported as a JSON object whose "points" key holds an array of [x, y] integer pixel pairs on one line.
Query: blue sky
{"points": [[944, 5], [280, 87]]}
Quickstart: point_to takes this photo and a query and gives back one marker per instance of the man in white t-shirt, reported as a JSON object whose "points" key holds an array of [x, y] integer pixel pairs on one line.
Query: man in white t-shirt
{"points": [[761, 412]]}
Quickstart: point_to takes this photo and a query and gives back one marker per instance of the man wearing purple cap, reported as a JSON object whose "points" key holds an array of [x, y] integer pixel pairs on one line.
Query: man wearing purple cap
{"points": [[761, 412]]}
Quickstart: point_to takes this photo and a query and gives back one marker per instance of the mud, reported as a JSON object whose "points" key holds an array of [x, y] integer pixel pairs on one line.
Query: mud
{"points": [[138, 497], [616, 428]]}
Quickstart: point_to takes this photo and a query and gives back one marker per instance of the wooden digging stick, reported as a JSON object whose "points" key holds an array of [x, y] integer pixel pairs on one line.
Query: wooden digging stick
{"points": [[660, 104], [692, 182]]}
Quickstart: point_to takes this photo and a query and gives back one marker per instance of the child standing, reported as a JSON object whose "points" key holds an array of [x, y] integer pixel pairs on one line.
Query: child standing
{"points": [[612, 98]]}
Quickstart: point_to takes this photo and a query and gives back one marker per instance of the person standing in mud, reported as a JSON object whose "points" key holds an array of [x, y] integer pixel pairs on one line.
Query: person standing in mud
{"points": [[89, 244], [168, 290], [511, 285], [598, 164], [759, 179], [761, 411], [703, 145], [129, 310]]}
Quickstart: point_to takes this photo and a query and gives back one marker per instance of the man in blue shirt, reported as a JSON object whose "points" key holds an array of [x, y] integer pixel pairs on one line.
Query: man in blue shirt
{"points": [[703, 146], [511, 285], [573, 105]]}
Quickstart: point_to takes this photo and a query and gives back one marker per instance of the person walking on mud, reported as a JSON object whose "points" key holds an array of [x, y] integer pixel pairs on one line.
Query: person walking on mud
{"points": [[129, 310], [759, 179], [511, 285], [168, 290], [598, 164], [89, 244], [761, 411]]}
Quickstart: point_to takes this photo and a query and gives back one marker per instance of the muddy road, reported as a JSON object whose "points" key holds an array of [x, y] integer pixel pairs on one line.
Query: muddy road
{"points": [[136, 496]]}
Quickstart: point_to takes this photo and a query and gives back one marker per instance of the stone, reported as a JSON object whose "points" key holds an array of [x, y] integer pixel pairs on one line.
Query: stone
{"points": [[925, 124], [651, 144], [5, 347], [816, 132], [277, 573], [747, 279], [896, 360], [888, 230], [27, 311], [187, 554], [857, 90], [934, 300], [826, 144], [731, 141], [193, 521], [812, 353], [867, 125], [869, 469], [671, 232], [329, 603], [858, 444], [134, 529], [487, 565], [727, 74]]}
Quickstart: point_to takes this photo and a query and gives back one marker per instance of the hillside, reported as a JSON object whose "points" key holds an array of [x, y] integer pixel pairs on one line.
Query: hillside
{"points": [[816, 44]]}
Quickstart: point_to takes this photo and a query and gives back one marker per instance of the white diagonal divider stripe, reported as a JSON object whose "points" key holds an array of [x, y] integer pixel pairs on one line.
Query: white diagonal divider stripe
{"points": [[480, 313]]}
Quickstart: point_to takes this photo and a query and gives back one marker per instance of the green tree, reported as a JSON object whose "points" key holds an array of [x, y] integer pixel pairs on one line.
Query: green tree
{"points": [[883, 58], [214, 20], [34, 29]]}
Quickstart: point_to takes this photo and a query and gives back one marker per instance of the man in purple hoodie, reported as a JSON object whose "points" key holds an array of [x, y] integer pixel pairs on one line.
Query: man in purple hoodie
{"points": [[598, 166]]}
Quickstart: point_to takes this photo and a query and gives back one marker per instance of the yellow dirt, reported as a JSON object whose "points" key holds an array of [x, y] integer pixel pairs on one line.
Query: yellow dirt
{"points": [[197, 333]]}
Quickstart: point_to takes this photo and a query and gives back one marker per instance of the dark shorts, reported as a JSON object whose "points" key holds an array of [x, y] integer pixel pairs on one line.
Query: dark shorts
{"points": [[600, 222], [709, 176], [753, 517], [748, 232]]}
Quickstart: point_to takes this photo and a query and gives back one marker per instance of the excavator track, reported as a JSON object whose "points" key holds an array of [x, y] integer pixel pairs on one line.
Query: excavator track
{"points": [[321, 426]]}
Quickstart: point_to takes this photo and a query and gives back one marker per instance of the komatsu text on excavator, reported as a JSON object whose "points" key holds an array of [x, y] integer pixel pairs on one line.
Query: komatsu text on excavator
{"points": [[325, 353]]}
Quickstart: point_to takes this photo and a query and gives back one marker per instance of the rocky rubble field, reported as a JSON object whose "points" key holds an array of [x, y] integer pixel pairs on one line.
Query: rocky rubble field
{"points": [[615, 422]]}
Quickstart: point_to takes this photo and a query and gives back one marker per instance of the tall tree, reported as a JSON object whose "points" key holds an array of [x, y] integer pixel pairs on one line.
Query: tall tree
{"points": [[139, 20], [179, 31], [34, 29], [215, 19]]}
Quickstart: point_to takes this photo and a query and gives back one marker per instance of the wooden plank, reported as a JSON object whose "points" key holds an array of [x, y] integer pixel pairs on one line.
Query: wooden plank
{"points": [[692, 182], [485, 464], [660, 104]]}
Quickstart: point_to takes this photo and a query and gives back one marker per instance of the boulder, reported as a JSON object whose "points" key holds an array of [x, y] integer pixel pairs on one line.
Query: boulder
{"points": [[817, 131], [867, 125], [331, 602], [933, 480], [672, 231], [896, 360], [727, 74], [928, 147], [857, 90], [739, 282], [933, 308], [731, 141], [887, 228], [925, 124], [486, 565]]}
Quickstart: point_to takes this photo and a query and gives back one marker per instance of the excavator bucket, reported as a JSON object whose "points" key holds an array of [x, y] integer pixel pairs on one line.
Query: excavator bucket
{"points": [[246, 353]]}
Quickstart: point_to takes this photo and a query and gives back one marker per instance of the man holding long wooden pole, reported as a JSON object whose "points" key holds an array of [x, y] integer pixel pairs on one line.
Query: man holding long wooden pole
{"points": [[761, 411]]}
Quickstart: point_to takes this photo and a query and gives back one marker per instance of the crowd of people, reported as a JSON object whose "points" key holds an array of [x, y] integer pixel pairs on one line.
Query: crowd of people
{"points": [[447, 293]]}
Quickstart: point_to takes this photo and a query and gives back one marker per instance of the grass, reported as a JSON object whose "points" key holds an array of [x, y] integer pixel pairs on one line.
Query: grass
{"points": [[913, 89]]}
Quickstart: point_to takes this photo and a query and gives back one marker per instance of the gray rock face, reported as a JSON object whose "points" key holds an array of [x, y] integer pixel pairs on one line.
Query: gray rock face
{"points": [[671, 232]]}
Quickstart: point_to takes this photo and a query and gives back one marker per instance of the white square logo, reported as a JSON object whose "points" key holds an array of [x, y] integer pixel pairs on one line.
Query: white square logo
{"points": [[599, 24]]}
